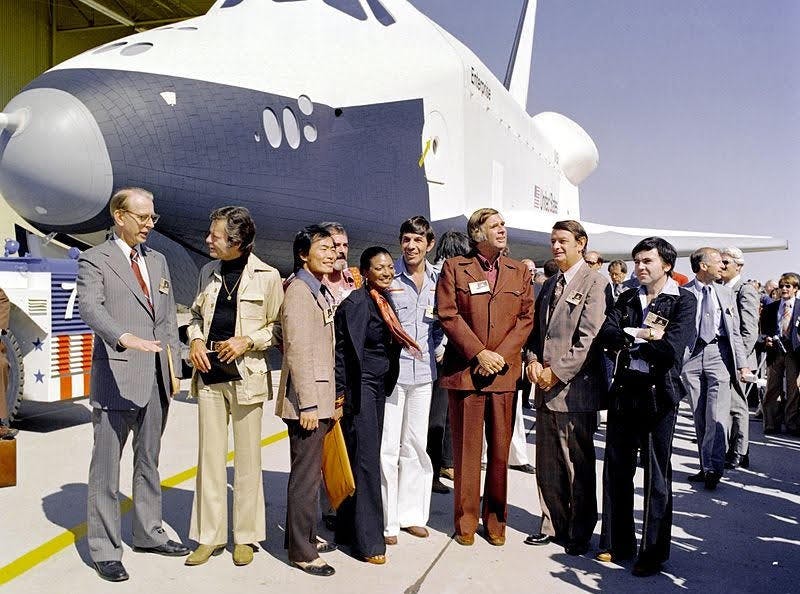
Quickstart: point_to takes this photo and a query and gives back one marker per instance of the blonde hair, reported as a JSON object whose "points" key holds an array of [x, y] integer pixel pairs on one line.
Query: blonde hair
{"points": [[119, 201], [476, 221]]}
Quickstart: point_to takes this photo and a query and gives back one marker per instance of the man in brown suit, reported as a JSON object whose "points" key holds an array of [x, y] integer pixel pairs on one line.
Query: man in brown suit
{"points": [[485, 306], [571, 377]]}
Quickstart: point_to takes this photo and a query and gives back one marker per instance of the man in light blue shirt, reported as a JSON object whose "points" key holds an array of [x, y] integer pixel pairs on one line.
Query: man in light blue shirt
{"points": [[406, 470]]}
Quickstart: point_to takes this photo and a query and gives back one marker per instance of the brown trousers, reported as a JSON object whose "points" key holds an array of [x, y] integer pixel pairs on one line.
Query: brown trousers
{"points": [[468, 413]]}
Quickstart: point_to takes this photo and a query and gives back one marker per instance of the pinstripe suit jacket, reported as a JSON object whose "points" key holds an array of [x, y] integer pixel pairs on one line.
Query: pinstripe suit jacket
{"points": [[112, 303], [566, 342]]}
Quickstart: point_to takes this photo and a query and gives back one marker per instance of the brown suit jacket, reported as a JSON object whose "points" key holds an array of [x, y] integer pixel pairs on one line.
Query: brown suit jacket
{"points": [[567, 343], [307, 376], [499, 320]]}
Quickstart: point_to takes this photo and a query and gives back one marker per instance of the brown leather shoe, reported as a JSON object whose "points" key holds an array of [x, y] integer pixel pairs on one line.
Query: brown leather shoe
{"points": [[447, 473], [465, 540], [418, 531], [390, 540], [497, 541], [376, 559]]}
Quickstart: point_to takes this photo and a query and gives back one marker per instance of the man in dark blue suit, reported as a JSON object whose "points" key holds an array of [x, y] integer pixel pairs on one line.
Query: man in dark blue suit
{"points": [[779, 335]]}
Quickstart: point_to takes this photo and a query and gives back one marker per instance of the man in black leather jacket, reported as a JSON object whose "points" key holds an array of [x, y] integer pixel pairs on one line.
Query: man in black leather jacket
{"points": [[647, 333]]}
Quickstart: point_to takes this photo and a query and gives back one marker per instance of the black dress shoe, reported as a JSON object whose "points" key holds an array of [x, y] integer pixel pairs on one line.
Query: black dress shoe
{"points": [[577, 548], [526, 468], [439, 487], [697, 478], [111, 571], [644, 567], [734, 462], [539, 539], [712, 480], [168, 549], [745, 462], [323, 570]]}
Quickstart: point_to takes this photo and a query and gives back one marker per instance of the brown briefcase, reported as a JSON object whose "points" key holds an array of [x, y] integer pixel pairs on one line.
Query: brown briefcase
{"points": [[8, 462]]}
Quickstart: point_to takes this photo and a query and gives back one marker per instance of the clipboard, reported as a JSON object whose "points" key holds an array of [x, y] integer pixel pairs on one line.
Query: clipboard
{"points": [[173, 378]]}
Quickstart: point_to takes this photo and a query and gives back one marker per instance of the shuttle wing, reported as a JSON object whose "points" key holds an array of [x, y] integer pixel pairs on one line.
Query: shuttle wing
{"points": [[616, 242]]}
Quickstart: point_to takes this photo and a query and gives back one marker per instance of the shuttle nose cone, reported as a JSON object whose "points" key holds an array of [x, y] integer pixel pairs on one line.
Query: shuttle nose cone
{"points": [[55, 170]]}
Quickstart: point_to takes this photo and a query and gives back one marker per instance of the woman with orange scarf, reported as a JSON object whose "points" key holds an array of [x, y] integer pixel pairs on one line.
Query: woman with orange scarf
{"points": [[369, 338]]}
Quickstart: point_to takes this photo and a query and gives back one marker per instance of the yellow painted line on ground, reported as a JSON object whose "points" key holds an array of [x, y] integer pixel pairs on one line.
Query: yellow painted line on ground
{"points": [[55, 545]]}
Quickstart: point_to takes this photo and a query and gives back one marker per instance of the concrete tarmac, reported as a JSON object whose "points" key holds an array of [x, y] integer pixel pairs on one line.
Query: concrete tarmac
{"points": [[743, 537]]}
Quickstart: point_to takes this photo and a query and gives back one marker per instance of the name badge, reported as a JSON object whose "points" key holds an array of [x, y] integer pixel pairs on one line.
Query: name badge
{"points": [[430, 312], [653, 320], [163, 286], [328, 314], [479, 287], [575, 298]]}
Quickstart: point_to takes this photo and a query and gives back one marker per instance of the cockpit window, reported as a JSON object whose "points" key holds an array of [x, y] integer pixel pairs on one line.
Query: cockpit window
{"points": [[383, 16], [229, 3], [349, 7]]}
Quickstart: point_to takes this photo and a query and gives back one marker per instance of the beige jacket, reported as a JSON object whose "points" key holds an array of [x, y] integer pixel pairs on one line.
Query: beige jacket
{"points": [[257, 309], [307, 377]]}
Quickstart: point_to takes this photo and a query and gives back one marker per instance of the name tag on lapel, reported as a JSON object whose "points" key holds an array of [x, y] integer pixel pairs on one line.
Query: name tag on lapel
{"points": [[163, 286], [479, 287], [430, 312], [575, 298], [328, 315], [653, 320]]}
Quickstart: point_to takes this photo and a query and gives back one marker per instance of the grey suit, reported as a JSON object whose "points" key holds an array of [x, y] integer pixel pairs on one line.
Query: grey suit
{"points": [[567, 413], [130, 391], [709, 371], [747, 302]]}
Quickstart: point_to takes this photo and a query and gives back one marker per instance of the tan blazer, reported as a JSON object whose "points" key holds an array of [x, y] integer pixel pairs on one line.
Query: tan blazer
{"points": [[567, 343], [499, 320], [307, 377], [258, 304]]}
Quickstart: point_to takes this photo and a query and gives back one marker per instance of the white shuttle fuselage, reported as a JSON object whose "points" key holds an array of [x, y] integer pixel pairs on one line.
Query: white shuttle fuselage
{"points": [[362, 112]]}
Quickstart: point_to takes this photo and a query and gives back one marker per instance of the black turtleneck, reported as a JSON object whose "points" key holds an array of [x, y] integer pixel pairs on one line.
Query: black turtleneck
{"points": [[223, 326]]}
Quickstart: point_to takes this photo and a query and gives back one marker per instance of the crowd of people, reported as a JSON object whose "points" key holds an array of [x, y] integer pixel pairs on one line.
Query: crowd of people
{"points": [[426, 368]]}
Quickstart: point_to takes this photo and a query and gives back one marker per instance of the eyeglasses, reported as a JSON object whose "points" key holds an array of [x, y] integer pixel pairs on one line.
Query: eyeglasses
{"points": [[592, 262], [726, 262], [143, 218], [786, 286]]}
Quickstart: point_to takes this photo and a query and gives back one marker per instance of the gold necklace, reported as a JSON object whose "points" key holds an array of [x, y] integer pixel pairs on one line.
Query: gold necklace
{"points": [[236, 284]]}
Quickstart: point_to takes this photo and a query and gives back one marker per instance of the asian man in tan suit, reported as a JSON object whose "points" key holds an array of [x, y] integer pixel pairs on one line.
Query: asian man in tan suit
{"points": [[307, 394], [566, 366]]}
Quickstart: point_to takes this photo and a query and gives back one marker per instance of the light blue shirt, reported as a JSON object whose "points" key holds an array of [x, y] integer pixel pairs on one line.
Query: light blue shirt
{"points": [[697, 289], [414, 310]]}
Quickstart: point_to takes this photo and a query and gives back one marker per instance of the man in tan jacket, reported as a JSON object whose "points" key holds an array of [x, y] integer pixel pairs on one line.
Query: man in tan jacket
{"points": [[6, 432], [568, 370], [307, 392], [234, 321]]}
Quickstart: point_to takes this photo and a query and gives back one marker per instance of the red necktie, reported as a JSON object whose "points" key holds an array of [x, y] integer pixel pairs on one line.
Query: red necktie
{"points": [[137, 272]]}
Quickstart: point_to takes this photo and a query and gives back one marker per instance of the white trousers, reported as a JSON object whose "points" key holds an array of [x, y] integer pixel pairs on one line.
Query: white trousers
{"points": [[406, 470], [518, 451]]}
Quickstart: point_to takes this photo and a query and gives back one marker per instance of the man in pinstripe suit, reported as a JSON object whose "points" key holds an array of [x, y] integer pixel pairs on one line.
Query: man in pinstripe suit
{"points": [[125, 297]]}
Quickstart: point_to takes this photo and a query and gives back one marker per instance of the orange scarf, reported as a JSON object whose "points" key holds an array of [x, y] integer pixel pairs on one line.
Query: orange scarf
{"points": [[388, 315]]}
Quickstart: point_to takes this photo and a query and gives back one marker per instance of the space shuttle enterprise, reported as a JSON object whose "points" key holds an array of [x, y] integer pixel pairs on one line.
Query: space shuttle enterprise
{"points": [[360, 111]]}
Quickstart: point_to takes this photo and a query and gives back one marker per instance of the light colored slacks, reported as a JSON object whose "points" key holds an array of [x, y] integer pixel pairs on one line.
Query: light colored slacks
{"points": [[209, 524], [406, 469]]}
